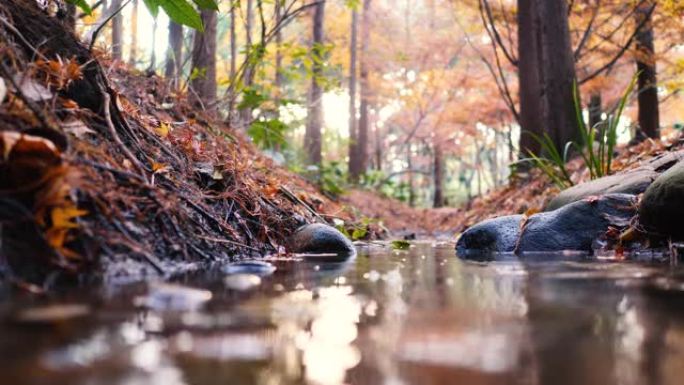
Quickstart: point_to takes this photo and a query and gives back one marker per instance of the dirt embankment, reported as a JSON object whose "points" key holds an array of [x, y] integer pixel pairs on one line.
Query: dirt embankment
{"points": [[109, 171]]}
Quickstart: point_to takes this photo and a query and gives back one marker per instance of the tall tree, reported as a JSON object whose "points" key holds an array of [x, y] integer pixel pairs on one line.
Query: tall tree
{"points": [[203, 86], [438, 172], [247, 76], [354, 165], [278, 57], [529, 77], [233, 63], [364, 88], [117, 30], [558, 72], [174, 55], [314, 121], [649, 119], [133, 52]]}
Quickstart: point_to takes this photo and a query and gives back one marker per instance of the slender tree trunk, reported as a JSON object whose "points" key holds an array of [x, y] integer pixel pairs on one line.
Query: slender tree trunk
{"points": [[354, 166], [378, 146], [278, 66], [314, 123], [174, 55], [529, 58], [117, 31], [246, 114], [233, 65], [649, 119], [409, 165], [438, 169], [558, 68], [595, 109], [133, 52], [203, 87], [364, 88], [153, 55]]}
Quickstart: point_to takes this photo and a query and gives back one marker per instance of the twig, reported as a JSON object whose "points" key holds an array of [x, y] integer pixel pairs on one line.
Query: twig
{"points": [[295, 199], [97, 30]]}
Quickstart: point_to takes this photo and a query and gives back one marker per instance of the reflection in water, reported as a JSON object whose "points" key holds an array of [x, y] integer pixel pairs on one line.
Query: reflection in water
{"points": [[385, 318]]}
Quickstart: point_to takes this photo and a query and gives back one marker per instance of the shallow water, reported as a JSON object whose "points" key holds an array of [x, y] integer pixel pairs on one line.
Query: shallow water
{"points": [[420, 316]]}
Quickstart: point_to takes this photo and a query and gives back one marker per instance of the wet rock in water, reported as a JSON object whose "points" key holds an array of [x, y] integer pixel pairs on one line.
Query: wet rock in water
{"points": [[634, 181], [319, 238], [662, 206], [576, 225], [493, 235], [259, 268], [572, 227], [170, 297]]}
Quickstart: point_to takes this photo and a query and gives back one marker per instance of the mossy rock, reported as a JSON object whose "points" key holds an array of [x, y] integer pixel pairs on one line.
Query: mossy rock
{"points": [[662, 206]]}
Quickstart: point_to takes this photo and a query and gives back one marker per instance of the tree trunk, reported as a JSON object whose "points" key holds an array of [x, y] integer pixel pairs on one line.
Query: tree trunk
{"points": [[529, 77], [649, 119], [364, 89], [203, 87], [558, 69], [314, 121], [133, 52], [246, 114], [378, 146], [117, 30], [174, 55], [595, 109], [233, 65], [354, 166], [438, 168], [278, 59], [153, 55], [409, 165]]}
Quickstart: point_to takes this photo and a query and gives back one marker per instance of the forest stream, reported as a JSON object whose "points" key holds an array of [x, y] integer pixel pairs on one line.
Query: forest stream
{"points": [[384, 317]]}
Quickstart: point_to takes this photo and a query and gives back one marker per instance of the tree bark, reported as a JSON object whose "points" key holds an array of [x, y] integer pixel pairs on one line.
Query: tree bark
{"points": [[438, 169], [649, 119], [233, 65], [203, 87], [246, 114], [278, 59], [133, 52], [117, 30], [174, 55], [364, 88], [558, 69], [354, 166], [314, 122], [529, 77]]}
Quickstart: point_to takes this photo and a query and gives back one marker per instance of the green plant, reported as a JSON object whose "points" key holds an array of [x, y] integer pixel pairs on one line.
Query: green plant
{"points": [[596, 147], [598, 160]]}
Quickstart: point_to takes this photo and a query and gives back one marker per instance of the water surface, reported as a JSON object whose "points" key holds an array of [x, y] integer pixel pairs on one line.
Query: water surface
{"points": [[419, 316]]}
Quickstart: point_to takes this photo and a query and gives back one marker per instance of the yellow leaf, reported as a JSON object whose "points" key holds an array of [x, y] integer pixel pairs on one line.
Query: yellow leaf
{"points": [[163, 130], [62, 217]]}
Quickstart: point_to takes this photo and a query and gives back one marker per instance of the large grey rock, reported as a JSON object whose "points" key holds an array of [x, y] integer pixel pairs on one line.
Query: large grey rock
{"points": [[662, 206], [320, 238], [576, 225], [496, 235], [572, 227], [634, 181]]}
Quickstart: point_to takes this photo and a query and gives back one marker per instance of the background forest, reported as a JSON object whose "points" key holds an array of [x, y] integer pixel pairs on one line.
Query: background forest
{"points": [[430, 102]]}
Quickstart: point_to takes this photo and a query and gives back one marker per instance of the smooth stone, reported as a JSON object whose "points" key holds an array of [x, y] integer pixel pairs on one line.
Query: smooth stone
{"points": [[576, 225], [259, 268], [573, 227], [662, 206], [318, 238], [496, 235], [634, 181]]}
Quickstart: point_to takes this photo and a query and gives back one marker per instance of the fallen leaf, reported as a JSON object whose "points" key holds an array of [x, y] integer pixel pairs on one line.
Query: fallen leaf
{"points": [[76, 127], [163, 130], [62, 217], [3, 90], [32, 90]]}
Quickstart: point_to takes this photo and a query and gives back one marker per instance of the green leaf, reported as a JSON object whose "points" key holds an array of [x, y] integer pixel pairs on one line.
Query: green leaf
{"points": [[207, 4], [152, 6], [81, 4], [359, 233], [400, 245], [182, 12]]}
